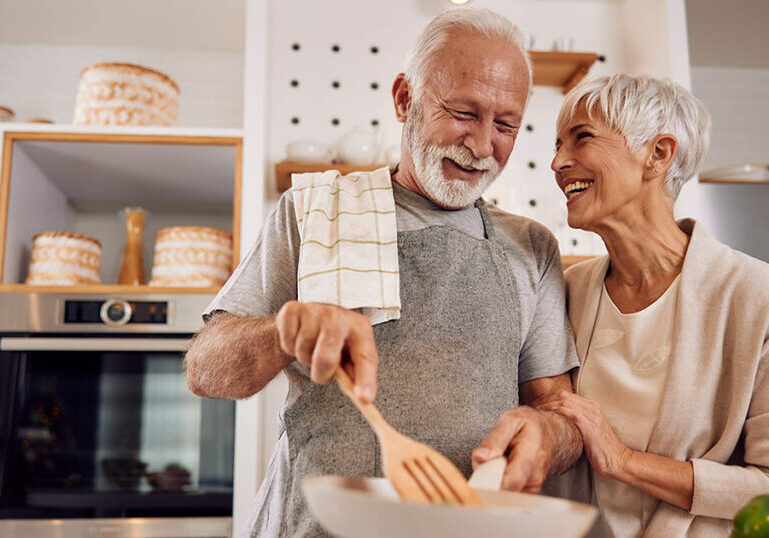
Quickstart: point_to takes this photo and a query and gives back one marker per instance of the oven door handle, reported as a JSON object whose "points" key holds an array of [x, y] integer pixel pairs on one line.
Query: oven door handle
{"points": [[45, 343]]}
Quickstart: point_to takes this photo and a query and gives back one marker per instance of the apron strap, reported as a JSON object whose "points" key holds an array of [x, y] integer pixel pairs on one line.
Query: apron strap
{"points": [[488, 228]]}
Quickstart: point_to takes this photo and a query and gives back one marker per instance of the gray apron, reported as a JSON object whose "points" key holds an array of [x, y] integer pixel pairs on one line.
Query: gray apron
{"points": [[448, 369]]}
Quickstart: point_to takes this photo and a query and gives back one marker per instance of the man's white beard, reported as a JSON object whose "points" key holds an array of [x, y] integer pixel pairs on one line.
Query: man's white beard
{"points": [[428, 164]]}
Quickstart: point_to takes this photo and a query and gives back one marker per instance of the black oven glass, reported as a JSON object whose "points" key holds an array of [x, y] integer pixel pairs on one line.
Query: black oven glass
{"points": [[87, 434]]}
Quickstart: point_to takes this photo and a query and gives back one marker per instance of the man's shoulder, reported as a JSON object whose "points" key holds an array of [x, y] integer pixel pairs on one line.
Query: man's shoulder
{"points": [[523, 231]]}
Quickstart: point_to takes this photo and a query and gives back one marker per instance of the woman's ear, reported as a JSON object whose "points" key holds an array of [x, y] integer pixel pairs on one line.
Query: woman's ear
{"points": [[663, 151], [401, 97]]}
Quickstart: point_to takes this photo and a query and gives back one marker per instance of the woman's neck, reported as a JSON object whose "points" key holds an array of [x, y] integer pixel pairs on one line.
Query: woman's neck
{"points": [[647, 249]]}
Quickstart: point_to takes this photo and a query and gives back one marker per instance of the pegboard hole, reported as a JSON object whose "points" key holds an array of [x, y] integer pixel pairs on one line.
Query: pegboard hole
{"points": [[295, 120], [294, 83], [296, 46], [374, 49], [574, 242], [533, 202], [374, 122], [335, 48], [495, 201], [529, 127], [374, 85], [335, 84], [335, 121], [532, 164]]}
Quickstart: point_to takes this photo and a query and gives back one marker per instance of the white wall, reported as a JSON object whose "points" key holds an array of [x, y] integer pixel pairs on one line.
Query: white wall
{"points": [[39, 80], [738, 101]]}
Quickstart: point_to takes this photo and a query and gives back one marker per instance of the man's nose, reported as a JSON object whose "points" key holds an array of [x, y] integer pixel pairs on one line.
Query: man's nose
{"points": [[479, 140]]}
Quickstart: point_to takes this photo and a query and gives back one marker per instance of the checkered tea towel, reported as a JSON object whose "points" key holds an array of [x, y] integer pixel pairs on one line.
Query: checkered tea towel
{"points": [[349, 243]]}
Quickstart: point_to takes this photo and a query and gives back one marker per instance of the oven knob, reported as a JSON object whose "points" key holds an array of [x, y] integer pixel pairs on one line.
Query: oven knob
{"points": [[115, 312]]}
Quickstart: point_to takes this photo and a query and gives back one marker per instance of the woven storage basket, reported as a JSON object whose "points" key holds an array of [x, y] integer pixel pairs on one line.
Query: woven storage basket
{"points": [[191, 256], [64, 259], [125, 94]]}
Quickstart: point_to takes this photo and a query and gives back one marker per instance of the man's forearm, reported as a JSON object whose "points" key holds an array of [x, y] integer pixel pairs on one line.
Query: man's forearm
{"points": [[567, 442], [234, 357]]}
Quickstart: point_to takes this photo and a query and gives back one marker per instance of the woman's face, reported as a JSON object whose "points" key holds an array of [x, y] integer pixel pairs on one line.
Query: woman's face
{"points": [[597, 171]]}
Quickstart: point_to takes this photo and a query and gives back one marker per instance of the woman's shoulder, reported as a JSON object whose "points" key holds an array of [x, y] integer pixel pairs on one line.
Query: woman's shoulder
{"points": [[580, 274]]}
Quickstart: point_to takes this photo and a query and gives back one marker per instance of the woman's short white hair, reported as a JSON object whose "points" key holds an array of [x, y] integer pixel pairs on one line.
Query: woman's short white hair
{"points": [[640, 107], [474, 20]]}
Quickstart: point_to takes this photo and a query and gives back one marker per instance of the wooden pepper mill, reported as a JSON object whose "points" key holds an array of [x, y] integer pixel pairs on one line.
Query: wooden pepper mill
{"points": [[132, 264]]}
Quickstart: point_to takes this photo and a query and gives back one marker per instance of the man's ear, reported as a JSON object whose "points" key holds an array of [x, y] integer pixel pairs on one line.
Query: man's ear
{"points": [[663, 150], [401, 97]]}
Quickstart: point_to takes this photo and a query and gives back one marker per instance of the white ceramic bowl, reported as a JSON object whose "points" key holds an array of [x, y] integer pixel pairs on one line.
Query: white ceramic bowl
{"points": [[370, 508], [308, 151]]}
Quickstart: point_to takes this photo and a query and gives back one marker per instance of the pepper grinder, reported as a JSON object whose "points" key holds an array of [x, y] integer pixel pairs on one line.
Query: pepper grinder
{"points": [[132, 265]]}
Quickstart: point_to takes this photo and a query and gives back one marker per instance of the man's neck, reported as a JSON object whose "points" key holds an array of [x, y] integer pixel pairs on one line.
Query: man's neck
{"points": [[405, 176]]}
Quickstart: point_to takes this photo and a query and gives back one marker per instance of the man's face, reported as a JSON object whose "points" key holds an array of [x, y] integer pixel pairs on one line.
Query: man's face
{"points": [[462, 127]]}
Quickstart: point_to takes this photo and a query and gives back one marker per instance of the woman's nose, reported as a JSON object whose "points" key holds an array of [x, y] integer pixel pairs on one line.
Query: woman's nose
{"points": [[561, 161]]}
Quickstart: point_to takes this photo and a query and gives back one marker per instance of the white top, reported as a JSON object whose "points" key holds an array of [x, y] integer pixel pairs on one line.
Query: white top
{"points": [[624, 371]]}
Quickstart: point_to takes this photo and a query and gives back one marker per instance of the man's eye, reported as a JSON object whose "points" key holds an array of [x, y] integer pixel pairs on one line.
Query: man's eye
{"points": [[463, 114], [583, 134]]}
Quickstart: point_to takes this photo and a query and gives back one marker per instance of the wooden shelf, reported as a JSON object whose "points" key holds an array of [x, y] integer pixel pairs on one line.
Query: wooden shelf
{"points": [[737, 181], [562, 69], [69, 176], [284, 169], [106, 289]]}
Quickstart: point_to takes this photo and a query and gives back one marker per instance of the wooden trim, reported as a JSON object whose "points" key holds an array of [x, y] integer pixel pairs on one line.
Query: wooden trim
{"points": [[736, 181], [568, 261], [284, 169], [237, 205], [109, 138], [106, 289], [5, 187]]}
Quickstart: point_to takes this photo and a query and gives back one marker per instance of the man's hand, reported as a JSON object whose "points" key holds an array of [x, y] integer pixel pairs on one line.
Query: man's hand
{"points": [[523, 435], [537, 442], [318, 335]]}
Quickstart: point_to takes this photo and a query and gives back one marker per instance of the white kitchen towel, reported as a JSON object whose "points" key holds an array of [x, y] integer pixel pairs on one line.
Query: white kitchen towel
{"points": [[349, 241]]}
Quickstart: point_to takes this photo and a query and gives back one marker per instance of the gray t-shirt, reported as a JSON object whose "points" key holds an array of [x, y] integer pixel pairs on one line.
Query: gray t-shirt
{"points": [[266, 278]]}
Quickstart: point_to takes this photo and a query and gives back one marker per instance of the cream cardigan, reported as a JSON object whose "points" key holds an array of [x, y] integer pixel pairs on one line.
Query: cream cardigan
{"points": [[715, 403]]}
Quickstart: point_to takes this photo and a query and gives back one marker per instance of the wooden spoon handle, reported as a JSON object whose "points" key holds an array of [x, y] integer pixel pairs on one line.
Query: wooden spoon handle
{"points": [[369, 411]]}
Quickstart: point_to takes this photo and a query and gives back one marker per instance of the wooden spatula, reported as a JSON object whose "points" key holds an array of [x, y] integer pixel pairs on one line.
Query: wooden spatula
{"points": [[416, 471]]}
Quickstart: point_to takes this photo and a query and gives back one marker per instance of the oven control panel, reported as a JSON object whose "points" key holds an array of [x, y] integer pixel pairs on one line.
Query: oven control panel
{"points": [[115, 312]]}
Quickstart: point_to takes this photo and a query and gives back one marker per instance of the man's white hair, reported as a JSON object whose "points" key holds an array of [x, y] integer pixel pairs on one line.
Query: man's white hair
{"points": [[640, 107], [419, 60]]}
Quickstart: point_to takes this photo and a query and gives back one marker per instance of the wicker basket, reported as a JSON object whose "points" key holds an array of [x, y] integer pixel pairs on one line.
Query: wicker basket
{"points": [[64, 259], [191, 256], [125, 94], [6, 114]]}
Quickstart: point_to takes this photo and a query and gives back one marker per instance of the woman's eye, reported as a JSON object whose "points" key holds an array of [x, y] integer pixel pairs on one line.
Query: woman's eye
{"points": [[583, 134]]}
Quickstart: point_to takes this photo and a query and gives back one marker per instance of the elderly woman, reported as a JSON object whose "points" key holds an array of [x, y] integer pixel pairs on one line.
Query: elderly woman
{"points": [[672, 327]]}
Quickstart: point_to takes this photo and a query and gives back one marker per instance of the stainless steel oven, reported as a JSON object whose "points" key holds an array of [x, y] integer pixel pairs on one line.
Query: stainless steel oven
{"points": [[99, 436]]}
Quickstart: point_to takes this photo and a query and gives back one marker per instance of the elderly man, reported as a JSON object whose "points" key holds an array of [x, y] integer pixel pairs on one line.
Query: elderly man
{"points": [[483, 316]]}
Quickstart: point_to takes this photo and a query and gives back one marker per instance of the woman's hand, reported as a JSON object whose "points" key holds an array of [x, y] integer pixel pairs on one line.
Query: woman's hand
{"points": [[604, 450]]}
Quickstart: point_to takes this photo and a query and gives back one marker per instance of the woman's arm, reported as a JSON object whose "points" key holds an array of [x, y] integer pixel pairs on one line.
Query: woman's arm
{"points": [[667, 479]]}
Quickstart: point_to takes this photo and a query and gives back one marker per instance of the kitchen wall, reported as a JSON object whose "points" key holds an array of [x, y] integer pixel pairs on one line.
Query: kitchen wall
{"points": [[329, 77], [40, 80], [730, 75]]}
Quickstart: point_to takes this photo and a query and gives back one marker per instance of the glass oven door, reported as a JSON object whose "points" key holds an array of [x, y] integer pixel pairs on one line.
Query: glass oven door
{"points": [[104, 429]]}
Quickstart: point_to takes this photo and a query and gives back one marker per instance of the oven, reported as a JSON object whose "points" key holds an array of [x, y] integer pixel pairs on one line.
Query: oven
{"points": [[99, 435]]}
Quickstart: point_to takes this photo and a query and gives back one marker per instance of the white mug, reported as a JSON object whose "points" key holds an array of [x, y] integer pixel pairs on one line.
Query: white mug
{"points": [[308, 151]]}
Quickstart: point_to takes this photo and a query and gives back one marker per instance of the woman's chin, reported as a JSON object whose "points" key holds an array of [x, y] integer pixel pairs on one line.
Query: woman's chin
{"points": [[576, 221]]}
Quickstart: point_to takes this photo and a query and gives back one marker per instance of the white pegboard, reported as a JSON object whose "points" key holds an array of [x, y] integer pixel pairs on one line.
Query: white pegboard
{"points": [[314, 45]]}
